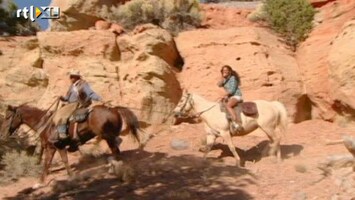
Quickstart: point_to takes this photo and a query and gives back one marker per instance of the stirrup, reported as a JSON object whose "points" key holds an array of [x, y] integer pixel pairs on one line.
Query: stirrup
{"points": [[63, 136], [62, 131], [237, 127]]}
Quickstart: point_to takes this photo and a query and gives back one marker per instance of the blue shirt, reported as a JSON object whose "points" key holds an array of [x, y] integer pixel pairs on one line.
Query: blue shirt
{"points": [[85, 90], [231, 86]]}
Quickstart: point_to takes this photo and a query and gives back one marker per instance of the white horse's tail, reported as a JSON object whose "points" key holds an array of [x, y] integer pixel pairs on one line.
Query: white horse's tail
{"points": [[283, 119]]}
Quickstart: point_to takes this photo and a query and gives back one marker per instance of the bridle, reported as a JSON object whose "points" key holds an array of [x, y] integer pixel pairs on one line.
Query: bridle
{"points": [[190, 101], [12, 120], [42, 123]]}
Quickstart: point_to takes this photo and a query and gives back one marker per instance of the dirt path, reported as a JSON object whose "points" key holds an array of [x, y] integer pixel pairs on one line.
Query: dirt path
{"points": [[163, 172]]}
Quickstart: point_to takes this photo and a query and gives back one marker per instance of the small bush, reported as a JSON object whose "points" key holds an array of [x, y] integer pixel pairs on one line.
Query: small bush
{"points": [[291, 18], [18, 164], [258, 14], [173, 15], [10, 24]]}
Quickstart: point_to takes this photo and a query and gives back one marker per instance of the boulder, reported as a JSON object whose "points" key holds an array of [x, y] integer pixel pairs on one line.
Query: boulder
{"points": [[151, 40], [102, 25], [80, 14], [116, 28]]}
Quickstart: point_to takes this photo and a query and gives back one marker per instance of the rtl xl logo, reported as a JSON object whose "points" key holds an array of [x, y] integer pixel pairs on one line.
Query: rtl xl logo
{"points": [[43, 12]]}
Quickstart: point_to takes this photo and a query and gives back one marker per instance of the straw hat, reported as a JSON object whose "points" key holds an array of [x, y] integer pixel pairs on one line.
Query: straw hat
{"points": [[74, 72]]}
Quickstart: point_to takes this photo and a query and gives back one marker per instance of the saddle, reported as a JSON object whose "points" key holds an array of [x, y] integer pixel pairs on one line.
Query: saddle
{"points": [[247, 108], [80, 115]]}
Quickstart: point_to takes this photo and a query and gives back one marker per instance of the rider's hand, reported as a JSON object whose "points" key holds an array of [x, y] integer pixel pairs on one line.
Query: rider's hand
{"points": [[62, 98]]}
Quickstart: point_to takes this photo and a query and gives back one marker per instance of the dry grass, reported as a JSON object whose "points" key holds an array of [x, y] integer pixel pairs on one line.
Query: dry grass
{"points": [[18, 164], [173, 15], [122, 171]]}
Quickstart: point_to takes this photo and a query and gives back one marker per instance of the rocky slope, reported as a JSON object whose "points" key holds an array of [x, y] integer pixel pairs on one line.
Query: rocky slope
{"points": [[326, 61], [124, 70], [141, 69], [267, 67]]}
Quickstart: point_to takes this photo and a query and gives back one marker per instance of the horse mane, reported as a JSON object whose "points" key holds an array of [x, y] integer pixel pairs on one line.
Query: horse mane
{"points": [[26, 107]]}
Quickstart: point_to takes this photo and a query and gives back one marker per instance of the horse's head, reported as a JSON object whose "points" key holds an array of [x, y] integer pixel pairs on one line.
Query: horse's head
{"points": [[184, 106], [11, 123]]}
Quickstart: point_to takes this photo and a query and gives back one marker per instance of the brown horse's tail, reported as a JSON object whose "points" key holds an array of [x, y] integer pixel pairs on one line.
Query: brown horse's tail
{"points": [[131, 120]]}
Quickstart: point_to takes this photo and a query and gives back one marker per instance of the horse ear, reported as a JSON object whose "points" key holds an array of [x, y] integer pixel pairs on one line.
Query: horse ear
{"points": [[11, 108]]}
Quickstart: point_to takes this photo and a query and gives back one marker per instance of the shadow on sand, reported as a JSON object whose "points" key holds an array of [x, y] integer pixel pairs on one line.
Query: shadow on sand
{"points": [[157, 177], [255, 154]]}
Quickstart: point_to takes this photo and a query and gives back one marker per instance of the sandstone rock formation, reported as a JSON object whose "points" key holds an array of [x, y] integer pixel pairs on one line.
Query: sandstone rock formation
{"points": [[146, 82], [320, 3], [267, 67], [138, 69], [218, 17], [102, 25], [342, 70], [318, 60], [23, 78], [80, 14]]}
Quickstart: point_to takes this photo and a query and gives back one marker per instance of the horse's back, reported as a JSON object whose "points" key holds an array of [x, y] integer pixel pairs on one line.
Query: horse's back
{"points": [[272, 112], [269, 104], [104, 118]]}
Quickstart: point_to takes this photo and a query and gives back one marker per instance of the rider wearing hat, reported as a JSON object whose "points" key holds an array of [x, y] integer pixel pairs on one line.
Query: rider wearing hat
{"points": [[79, 95]]}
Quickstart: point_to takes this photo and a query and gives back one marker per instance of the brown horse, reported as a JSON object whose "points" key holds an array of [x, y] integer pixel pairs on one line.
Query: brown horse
{"points": [[102, 121]]}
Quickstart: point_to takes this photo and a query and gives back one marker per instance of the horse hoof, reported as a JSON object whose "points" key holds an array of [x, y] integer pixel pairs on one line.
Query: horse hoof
{"points": [[37, 186], [239, 164]]}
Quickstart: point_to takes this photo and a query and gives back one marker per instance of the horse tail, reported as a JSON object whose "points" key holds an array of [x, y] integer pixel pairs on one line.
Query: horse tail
{"points": [[283, 119], [131, 120]]}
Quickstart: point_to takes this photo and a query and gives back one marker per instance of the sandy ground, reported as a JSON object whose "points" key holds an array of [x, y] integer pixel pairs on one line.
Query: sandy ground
{"points": [[163, 171]]}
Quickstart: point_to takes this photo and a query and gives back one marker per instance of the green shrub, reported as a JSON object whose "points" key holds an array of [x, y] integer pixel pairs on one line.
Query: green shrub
{"points": [[18, 164], [12, 25], [173, 15], [291, 18]]}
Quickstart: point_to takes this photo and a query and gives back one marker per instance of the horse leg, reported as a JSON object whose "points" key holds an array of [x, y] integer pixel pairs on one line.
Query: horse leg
{"points": [[50, 151], [228, 138], [210, 140], [275, 143], [112, 143], [64, 155], [40, 155]]}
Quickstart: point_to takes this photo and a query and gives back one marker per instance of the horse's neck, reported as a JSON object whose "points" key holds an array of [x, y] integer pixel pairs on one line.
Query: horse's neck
{"points": [[32, 117], [201, 104]]}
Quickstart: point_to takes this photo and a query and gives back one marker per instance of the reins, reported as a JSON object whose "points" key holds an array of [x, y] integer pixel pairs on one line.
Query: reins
{"points": [[201, 112], [42, 123], [198, 114]]}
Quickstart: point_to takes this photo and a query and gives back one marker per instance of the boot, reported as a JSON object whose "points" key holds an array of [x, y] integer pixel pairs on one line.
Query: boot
{"points": [[75, 133], [235, 122], [73, 146], [62, 131], [237, 127]]}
